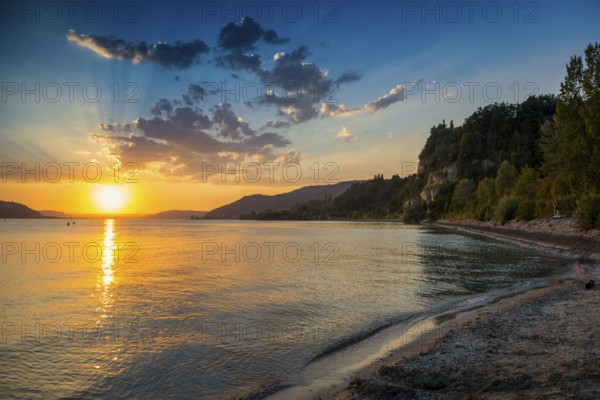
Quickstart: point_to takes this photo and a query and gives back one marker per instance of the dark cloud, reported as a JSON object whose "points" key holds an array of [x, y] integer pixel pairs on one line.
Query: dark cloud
{"points": [[302, 86], [186, 116], [244, 36], [162, 107], [239, 40], [231, 126], [265, 139], [272, 37], [137, 149], [275, 124], [116, 127], [292, 69], [298, 88], [180, 55], [187, 135], [195, 94], [347, 77], [237, 60], [295, 111], [177, 140]]}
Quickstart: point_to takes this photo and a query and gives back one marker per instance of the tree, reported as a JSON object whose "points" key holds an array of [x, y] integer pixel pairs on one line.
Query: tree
{"points": [[463, 197], [571, 145], [486, 197], [506, 178], [527, 182]]}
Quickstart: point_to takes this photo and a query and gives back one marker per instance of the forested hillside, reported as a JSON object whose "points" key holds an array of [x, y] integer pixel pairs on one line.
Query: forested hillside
{"points": [[538, 158]]}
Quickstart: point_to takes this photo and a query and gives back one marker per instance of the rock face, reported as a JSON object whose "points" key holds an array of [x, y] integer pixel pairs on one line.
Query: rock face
{"points": [[435, 179]]}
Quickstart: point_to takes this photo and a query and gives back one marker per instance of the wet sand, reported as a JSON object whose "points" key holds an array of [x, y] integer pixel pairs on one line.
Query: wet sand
{"points": [[544, 343]]}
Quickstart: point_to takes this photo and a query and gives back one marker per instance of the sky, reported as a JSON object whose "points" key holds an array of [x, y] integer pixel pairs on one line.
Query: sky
{"points": [[139, 107]]}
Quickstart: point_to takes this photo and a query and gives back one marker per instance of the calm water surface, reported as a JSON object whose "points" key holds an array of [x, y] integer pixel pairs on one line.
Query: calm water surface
{"points": [[215, 309]]}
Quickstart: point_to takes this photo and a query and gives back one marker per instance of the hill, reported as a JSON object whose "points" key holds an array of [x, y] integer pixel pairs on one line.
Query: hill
{"points": [[258, 202], [176, 214], [10, 209], [54, 214]]}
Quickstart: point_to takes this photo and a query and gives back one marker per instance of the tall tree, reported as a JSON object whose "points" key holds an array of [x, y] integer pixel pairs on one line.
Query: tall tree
{"points": [[506, 179], [571, 144]]}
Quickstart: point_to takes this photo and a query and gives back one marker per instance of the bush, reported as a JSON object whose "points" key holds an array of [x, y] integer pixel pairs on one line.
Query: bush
{"points": [[588, 212], [525, 210], [567, 204], [543, 209], [464, 195], [435, 210], [414, 212], [484, 213], [506, 209]]}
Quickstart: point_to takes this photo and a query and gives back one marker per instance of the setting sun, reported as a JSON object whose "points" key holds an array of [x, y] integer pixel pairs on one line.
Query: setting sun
{"points": [[110, 198]]}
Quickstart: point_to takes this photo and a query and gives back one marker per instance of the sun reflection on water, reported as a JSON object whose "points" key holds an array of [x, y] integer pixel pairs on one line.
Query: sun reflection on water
{"points": [[108, 260]]}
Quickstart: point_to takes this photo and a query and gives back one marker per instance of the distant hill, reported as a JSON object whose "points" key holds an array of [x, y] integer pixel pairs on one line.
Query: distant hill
{"points": [[176, 214], [107, 216], [261, 202], [54, 214], [10, 209]]}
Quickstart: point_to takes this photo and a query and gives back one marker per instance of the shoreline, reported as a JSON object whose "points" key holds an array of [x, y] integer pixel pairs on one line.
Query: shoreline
{"points": [[510, 346], [562, 235]]}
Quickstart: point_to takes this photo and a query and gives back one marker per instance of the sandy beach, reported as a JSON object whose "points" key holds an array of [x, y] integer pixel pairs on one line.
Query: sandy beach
{"points": [[540, 344]]}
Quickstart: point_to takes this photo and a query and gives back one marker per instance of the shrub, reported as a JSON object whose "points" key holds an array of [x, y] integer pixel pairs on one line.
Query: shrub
{"points": [[567, 204], [525, 210], [484, 213], [506, 209], [414, 212], [543, 209], [587, 212], [464, 195], [435, 210]]}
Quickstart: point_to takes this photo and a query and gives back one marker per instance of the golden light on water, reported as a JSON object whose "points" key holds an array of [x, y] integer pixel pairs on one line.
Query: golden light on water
{"points": [[108, 260], [108, 252]]}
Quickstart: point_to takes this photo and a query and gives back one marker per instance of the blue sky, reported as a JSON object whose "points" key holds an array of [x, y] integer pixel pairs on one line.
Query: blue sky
{"points": [[357, 53]]}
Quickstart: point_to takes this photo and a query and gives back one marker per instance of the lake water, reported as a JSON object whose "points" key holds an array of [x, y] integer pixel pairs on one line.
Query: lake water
{"points": [[218, 309]]}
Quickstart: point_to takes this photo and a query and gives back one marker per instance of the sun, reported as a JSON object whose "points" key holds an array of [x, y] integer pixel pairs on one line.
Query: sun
{"points": [[110, 198]]}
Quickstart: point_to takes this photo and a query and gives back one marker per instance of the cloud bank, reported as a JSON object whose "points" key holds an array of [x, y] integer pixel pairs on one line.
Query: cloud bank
{"points": [[179, 55]]}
